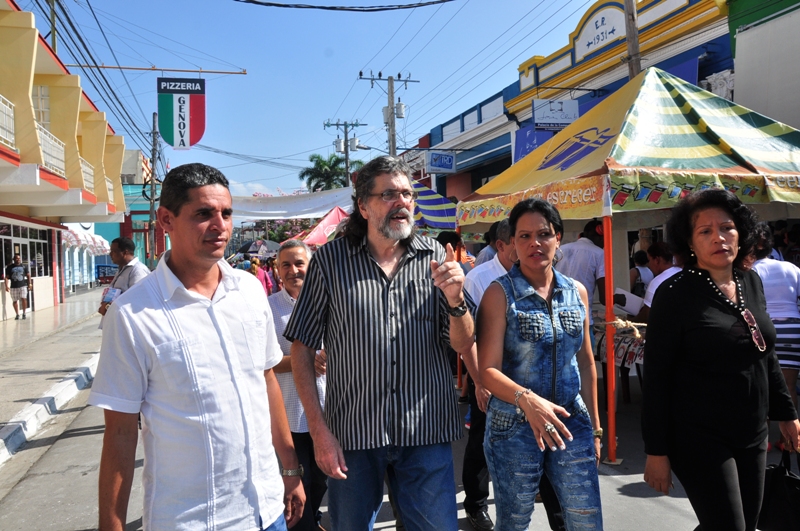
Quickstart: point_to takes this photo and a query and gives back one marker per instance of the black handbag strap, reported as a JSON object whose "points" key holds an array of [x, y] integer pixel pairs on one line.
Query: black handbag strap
{"points": [[786, 460]]}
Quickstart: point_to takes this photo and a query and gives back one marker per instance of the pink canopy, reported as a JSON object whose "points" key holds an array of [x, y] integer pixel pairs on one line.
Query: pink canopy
{"points": [[319, 234]]}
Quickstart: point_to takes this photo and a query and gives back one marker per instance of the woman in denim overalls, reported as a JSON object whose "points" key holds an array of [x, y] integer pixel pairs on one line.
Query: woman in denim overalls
{"points": [[538, 365]]}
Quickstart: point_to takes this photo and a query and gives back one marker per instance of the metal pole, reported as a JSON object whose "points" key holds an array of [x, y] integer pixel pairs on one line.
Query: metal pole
{"points": [[346, 155], [611, 373], [632, 37], [152, 224], [392, 126], [53, 25]]}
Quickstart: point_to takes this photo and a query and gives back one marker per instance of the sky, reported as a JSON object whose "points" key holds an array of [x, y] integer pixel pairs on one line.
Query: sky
{"points": [[302, 70]]}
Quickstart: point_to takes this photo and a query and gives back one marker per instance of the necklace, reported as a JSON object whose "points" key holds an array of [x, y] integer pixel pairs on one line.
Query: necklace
{"points": [[739, 296]]}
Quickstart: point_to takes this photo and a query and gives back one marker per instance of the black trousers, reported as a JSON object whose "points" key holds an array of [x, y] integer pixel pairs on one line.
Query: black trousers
{"points": [[725, 485], [474, 473], [315, 482]]}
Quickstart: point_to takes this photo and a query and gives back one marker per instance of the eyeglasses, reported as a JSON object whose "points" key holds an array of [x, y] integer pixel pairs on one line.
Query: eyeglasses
{"points": [[755, 332], [390, 196]]}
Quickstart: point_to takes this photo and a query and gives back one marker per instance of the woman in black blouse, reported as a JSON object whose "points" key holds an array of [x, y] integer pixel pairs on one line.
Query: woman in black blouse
{"points": [[711, 376]]}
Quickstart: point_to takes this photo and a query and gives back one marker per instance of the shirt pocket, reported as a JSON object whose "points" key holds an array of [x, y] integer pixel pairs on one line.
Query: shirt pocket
{"points": [[423, 301], [532, 326], [571, 322], [255, 334], [175, 360]]}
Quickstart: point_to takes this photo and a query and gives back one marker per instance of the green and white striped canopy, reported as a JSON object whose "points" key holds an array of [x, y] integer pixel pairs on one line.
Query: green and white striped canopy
{"points": [[644, 147]]}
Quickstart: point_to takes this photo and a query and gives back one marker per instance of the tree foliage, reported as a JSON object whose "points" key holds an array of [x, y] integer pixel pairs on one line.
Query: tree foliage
{"points": [[327, 173]]}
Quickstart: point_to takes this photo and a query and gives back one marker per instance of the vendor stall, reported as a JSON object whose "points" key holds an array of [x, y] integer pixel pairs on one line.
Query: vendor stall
{"points": [[634, 156]]}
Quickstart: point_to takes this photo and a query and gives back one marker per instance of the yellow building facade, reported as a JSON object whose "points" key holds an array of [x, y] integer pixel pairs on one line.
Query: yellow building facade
{"points": [[60, 160]]}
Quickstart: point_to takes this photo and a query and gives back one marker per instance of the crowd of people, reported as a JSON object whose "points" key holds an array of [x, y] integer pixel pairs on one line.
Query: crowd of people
{"points": [[332, 374]]}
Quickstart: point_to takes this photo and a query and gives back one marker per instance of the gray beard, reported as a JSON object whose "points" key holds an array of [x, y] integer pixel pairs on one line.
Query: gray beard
{"points": [[388, 232]]}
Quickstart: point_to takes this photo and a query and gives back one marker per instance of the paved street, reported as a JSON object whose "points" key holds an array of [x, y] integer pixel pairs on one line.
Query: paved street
{"points": [[50, 483], [62, 483]]}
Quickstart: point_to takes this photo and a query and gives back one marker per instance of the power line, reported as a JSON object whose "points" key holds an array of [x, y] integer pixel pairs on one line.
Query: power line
{"points": [[160, 36], [368, 62], [388, 40], [490, 58], [358, 9], [250, 158], [553, 28], [99, 82], [436, 34], [114, 55], [415, 34]]}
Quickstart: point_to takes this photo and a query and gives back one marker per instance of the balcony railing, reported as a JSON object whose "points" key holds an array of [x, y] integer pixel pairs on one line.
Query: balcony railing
{"points": [[110, 188], [88, 175], [53, 151], [7, 123]]}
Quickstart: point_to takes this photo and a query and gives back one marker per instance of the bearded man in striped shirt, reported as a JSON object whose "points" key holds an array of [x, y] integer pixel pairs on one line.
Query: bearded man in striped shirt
{"points": [[386, 303]]}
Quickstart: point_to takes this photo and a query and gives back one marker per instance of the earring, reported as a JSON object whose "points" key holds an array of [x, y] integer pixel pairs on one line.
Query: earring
{"points": [[557, 258], [514, 257]]}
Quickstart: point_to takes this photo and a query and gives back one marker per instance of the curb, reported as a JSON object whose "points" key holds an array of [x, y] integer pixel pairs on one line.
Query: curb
{"points": [[24, 425]]}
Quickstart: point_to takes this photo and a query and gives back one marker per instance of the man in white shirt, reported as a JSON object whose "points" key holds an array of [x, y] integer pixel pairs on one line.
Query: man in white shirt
{"points": [[474, 473], [293, 258], [130, 271], [661, 264], [190, 347], [583, 260]]}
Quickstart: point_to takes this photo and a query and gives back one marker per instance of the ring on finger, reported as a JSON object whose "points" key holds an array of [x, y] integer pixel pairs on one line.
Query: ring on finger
{"points": [[549, 428]]}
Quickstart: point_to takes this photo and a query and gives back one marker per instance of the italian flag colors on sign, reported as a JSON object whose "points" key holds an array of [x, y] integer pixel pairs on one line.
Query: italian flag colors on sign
{"points": [[181, 111]]}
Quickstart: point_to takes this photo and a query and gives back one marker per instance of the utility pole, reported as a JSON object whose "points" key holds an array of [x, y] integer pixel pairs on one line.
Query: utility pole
{"points": [[53, 25], [389, 112], [634, 68], [152, 224], [392, 120], [345, 126], [634, 59]]}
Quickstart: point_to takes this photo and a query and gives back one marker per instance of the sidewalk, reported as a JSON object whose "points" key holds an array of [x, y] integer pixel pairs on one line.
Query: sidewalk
{"points": [[15, 335], [45, 360]]}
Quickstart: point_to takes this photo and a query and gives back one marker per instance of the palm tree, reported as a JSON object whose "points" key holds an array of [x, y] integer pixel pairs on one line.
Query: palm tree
{"points": [[327, 174]]}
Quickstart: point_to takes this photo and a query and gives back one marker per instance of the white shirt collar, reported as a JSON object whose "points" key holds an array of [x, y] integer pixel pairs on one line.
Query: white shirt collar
{"points": [[168, 283]]}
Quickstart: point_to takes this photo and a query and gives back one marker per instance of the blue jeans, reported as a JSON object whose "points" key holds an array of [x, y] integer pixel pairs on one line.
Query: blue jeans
{"points": [[277, 525], [420, 477], [516, 465]]}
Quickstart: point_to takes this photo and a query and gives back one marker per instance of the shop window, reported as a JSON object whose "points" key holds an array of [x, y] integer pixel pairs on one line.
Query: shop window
{"points": [[40, 262], [43, 234], [23, 232], [7, 256], [15, 230], [41, 104], [5, 229]]}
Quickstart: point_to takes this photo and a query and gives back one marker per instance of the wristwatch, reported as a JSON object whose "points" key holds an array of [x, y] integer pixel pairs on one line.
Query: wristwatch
{"points": [[598, 433], [459, 310], [292, 471]]}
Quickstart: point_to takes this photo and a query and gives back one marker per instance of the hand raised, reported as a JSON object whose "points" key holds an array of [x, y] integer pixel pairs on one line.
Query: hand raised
{"points": [[448, 276]]}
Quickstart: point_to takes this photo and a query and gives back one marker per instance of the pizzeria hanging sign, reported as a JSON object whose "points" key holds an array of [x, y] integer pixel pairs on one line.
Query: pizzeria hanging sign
{"points": [[181, 111]]}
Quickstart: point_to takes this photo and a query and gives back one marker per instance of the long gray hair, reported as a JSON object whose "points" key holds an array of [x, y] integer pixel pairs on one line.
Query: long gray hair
{"points": [[356, 227]]}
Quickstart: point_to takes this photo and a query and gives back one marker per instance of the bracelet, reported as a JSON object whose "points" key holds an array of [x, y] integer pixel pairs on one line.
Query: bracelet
{"points": [[517, 395]]}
